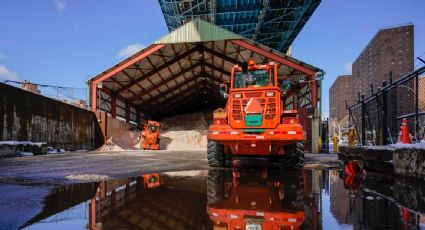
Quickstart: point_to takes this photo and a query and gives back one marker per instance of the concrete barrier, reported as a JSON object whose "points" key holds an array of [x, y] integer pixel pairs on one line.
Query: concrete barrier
{"points": [[410, 161], [27, 116], [402, 159]]}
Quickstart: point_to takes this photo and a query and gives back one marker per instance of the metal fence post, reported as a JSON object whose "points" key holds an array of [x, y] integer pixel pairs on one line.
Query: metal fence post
{"points": [[416, 107], [363, 121], [394, 108], [384, 114]]}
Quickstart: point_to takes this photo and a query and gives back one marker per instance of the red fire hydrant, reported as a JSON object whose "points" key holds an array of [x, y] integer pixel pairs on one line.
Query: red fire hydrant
{"points": [[404, 130]]}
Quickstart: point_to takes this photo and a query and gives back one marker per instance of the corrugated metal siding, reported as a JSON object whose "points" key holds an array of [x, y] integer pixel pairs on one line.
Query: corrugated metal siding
{"points": [[197, 31]]}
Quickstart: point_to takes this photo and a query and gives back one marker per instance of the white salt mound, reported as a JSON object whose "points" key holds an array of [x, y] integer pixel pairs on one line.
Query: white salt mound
{"points": [[185, 131], [130, 140], [180, 132]]}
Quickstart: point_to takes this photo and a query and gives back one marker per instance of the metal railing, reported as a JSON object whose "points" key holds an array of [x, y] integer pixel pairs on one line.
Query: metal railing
{"points": [[377, 118]]}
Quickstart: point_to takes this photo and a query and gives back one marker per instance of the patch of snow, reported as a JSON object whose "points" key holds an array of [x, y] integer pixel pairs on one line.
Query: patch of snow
{"points": [[420, 145], [87, 177], [39, 144], [51, 150], [26, 154], [192, 173], [379, 147], [370, 198]]}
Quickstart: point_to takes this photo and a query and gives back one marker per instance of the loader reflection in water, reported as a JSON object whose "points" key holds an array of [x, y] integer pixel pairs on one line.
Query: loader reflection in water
{"points": [[255, 200], [236, 199]]}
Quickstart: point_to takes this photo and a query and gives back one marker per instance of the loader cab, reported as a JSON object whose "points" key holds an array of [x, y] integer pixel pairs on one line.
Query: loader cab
{"points": [[250, 75], [153, 128]]}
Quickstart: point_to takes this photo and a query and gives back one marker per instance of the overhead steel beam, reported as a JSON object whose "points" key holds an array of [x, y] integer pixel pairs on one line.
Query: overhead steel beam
{"points": [[180, 96], [116, 69], [261, 17], [215, 68], [128, 62], [172, 89], [163, 66], [274, 57], [209, 65], [171, 78], [190, 81], [174, 104], [299, 16], [220, 55]]}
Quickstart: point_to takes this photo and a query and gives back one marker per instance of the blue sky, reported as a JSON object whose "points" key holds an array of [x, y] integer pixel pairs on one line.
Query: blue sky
{"points": [[67, 41], [339, 30]]}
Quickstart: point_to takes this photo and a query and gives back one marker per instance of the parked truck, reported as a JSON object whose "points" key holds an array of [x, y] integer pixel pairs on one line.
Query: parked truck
{"points": [[255, 121]]}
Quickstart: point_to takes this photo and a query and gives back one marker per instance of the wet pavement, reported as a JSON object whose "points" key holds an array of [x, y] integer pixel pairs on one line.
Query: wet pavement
{"points": [[234, 198], [96, 165], [177, 190]]}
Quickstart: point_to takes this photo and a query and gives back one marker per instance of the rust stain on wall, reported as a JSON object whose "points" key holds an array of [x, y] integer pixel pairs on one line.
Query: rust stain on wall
{"points": [[26, 116]]}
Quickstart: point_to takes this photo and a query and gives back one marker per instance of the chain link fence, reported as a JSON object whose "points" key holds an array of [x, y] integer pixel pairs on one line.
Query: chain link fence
{"points": [[71, 95], [378, 118]]}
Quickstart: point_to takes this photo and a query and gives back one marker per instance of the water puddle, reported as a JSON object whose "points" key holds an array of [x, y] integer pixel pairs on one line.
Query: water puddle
{"points": [[250, 199]]}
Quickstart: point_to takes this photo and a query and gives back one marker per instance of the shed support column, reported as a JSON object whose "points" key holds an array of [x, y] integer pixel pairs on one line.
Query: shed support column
{"points": [[315, 129], [93, 101], [127, 112], [313, 92], [92, 214], [114, 106]]}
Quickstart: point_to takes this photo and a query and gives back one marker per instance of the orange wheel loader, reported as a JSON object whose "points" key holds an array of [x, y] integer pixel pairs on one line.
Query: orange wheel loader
{"points": [[150, 135], [255, 121], [255, 200]]}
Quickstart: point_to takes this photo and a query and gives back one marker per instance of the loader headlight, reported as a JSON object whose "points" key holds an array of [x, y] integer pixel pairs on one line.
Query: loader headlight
{"points": [[269, 94], [237, 95]]}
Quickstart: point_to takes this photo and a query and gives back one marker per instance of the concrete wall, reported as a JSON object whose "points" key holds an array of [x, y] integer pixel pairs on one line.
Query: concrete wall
{"points": [[26, 116], [116, 128]]}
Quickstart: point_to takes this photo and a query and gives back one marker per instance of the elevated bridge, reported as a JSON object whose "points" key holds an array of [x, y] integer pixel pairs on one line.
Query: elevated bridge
{"points": [[273, 23]]}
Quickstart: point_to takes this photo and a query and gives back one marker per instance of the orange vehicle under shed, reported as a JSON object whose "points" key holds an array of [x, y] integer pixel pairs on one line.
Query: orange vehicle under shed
{"points": [[181, 72]]}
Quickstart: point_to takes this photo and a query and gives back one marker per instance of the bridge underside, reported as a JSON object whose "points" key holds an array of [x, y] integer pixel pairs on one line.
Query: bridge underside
{"points": [[273, 23]]}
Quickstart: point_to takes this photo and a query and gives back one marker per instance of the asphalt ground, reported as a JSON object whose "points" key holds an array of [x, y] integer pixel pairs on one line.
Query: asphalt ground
{"points": [[26, 181], [70, 167]]}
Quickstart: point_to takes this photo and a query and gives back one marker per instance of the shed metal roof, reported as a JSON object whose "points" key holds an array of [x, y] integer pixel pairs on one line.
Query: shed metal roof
{"points": [[182, 71], [198, 31]]}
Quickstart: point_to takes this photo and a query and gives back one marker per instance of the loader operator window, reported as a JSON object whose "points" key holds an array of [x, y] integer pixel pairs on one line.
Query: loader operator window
{"points": [[255, 78], [153, 128]]}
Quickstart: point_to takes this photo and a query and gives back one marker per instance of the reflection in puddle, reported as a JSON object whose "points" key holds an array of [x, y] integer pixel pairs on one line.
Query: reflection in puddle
{"points": [[235, 199], [255, 199]]}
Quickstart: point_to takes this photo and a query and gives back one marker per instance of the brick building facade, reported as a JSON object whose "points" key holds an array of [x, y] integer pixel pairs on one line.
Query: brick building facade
{"points": [[390, 50], [340, 91]]}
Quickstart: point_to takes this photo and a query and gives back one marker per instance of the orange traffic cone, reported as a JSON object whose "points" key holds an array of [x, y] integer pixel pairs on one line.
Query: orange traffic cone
{"points": [[404, 130], [405, 216]]}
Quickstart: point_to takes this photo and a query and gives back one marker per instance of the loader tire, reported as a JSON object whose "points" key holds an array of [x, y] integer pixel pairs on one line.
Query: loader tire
{"points": [[215, 154], [294, 156], [215, 186]]}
